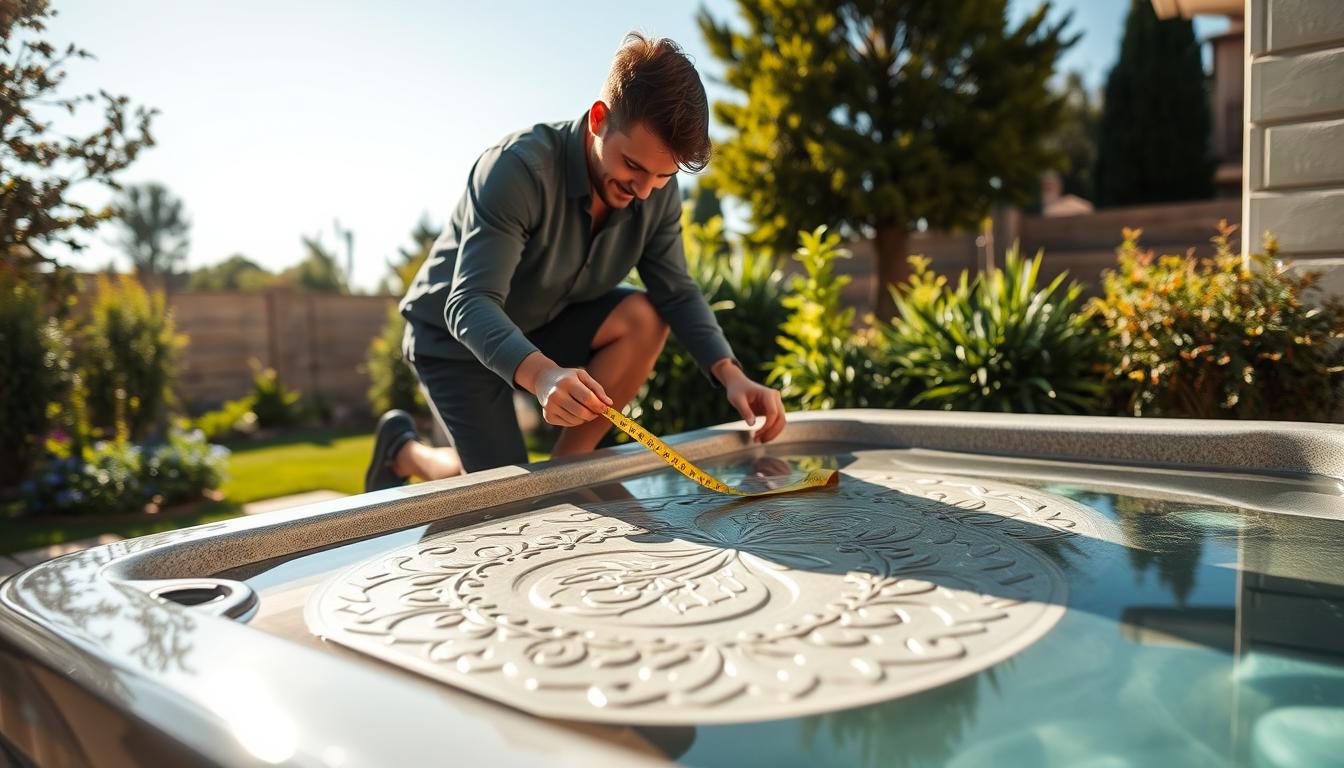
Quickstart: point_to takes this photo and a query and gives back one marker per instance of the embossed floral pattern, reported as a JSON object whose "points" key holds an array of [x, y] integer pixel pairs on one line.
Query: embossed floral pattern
{"points": [[695, 610]]}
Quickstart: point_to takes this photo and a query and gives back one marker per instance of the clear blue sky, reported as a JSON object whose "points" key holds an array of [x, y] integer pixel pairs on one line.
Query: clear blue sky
{"points": [[278, 118]]}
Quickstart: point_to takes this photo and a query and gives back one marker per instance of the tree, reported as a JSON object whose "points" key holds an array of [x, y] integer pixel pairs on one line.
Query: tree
{"points": [[319, 271], [1153, 143], [1075, 137], [410, 260], [40, 165], [154, 228], [874, 116], [236, 273], [705, 203]]}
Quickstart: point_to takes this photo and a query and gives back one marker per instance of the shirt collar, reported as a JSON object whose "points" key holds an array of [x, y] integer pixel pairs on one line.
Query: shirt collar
{"points": [[577, 161]]}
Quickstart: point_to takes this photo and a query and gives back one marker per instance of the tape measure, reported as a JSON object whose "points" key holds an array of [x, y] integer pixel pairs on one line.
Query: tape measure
{"points": [[817, 478]]}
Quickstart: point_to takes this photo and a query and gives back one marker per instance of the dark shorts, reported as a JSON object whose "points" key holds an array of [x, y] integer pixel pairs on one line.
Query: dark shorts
{"points": [[475, 406]]}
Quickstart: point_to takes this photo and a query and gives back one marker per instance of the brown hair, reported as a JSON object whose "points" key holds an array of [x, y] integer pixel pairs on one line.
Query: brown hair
{"points": [[654, 83]]}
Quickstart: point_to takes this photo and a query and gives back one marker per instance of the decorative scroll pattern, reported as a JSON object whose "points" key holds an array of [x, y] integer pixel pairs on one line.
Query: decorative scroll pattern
{"points": [[699, 610], [1022, 513]]}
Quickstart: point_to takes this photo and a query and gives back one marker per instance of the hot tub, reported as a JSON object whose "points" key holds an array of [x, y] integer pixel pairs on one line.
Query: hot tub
{"points": [[977, 590]]}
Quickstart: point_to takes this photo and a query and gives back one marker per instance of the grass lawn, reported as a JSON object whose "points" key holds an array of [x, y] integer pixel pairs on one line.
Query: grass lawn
{"points": [[297, 463], [258, 470]]}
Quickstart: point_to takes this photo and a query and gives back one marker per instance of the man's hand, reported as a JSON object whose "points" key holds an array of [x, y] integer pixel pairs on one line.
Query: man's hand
{"points": [[751, 400], [568, 396]]}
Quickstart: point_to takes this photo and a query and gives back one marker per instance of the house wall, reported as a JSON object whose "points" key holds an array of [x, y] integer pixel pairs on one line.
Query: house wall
{"points": [[1294, 146]]}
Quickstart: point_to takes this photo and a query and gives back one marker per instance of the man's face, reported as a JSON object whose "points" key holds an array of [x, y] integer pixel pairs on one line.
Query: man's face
{"points": [[628, 164]]}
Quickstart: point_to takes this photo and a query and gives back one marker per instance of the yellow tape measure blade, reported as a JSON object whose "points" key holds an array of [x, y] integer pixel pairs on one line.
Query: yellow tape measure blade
{"points": [[817, 478]]}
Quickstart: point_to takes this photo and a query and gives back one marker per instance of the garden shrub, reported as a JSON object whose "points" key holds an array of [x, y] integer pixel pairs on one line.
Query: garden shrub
{"points": [[392, 383], [115, 477], [34, 375], [183, 467], [274, 404], [745, 290], [995, 343], [823, 362], [105, 481], [129, 356], [1218, 337], [234, 418]]}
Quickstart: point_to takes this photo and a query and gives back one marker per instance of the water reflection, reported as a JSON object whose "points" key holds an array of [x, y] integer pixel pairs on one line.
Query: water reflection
{"points": [[932, 726], [1161, 542], [1157, 539]]}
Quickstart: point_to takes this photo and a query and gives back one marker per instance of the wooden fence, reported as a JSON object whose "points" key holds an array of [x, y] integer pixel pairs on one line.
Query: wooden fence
{"points": [[317, 343]]}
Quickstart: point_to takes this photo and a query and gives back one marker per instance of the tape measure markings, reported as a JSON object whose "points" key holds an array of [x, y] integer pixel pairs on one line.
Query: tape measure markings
{"points": [[817, 478]]}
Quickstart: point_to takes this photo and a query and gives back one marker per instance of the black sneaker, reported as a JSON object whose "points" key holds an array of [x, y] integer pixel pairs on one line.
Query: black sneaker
{"points": [[395, 428]]}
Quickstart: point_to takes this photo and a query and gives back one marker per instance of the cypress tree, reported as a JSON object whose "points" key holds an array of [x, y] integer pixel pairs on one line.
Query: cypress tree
{"points": [[1153, 144]]}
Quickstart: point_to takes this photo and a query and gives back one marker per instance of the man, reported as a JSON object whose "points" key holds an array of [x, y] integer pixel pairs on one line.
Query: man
{"points": [[521, 289]]}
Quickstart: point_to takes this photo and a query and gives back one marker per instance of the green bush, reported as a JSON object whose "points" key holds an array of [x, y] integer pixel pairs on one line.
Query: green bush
{"points": [[129, 357], [183, 467], [273, 403], [106, 481], [392, 383], [1218, 337], [745, 290], [823, 363], [34, 375], [234, 418], [995, 343], [115, 477]]}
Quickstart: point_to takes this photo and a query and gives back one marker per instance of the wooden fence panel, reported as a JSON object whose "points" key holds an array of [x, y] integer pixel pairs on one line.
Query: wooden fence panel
{"points": [[317, 343]]}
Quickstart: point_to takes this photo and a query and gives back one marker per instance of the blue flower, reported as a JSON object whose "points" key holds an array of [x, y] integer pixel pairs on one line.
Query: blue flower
{"points": [[51, 478], [27, 487]]}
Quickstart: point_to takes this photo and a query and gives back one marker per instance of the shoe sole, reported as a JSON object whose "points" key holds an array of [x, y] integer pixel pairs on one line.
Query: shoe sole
{"points": [[380, 448]]}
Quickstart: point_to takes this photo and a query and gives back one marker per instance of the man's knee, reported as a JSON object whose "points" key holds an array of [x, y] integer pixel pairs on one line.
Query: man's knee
{"points": [[644, 321]]}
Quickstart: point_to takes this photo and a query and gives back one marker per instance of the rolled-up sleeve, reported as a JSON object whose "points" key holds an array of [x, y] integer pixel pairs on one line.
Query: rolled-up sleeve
{"points": [[675, 294], [502, 201]]}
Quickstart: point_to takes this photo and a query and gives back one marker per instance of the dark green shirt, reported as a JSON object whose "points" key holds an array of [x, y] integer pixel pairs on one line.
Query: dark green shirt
{"points": [[519, 248]]}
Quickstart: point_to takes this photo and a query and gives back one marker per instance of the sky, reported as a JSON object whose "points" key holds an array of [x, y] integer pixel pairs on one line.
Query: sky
{"points": [[279, 119]]}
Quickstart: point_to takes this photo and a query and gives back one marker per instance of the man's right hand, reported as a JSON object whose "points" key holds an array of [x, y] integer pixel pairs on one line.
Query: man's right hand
{"points": [[568, 396]]}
